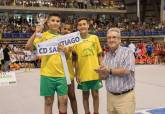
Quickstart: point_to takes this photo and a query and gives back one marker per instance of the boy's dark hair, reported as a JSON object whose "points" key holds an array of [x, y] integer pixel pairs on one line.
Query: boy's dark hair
{"points": [[83, 18], [71, 26], [53, 15]]}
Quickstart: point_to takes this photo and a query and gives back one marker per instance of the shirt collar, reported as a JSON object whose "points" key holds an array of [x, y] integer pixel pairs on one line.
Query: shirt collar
{"points": [[116, 51], [54, 33]]}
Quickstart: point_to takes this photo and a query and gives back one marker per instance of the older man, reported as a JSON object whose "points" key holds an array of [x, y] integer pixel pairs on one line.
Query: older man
{"points": [[118, 70]]}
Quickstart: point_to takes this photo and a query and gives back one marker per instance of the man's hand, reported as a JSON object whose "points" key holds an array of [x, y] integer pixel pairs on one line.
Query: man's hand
{"points": [[103, 71]]}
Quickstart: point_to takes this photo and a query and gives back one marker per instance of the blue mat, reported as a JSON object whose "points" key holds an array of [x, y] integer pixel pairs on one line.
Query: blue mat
{"points": [[153, 111]]}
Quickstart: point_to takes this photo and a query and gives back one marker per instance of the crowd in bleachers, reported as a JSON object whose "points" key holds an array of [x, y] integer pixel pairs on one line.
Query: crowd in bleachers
{"points": [[11, 27], [81, 4], [14, 24], [18, 58], [129, 27], [14, 27]]}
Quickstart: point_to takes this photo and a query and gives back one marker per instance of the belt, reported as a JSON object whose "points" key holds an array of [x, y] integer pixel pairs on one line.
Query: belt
{"points": [[124, 92]]}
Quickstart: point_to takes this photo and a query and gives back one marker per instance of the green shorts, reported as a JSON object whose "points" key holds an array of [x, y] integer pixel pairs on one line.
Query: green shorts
{"points": [[50, 85], [93, 85]]}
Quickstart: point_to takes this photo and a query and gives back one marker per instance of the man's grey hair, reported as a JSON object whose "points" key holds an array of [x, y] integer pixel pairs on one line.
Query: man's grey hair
{"points": [[117, 30]]}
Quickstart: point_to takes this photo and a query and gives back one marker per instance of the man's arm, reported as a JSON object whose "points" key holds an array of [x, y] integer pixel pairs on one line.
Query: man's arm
{"points": [[104, 71], [120, 71], [127, 66]]}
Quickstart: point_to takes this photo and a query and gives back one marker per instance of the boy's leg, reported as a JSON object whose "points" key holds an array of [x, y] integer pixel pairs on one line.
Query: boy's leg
{"points": [[48, 104], [72, 97], [86, 87], [62, 92], [86, 101], [63, 104], [95, 96], [47, 90], [95, 86]]}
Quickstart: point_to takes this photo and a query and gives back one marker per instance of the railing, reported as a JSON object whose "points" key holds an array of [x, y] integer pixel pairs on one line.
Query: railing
{"points": [[100, 34], [16, 35], [141, 33]]}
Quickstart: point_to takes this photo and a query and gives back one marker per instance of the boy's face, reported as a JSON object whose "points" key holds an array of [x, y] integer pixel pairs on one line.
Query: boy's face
{"points": [[54, 23], [83, 26], [66, 29]]}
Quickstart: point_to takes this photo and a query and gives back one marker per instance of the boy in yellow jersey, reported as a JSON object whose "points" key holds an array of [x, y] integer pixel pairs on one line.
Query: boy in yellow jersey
{"points": [[66, 29], [88, 58], [52, 74]]}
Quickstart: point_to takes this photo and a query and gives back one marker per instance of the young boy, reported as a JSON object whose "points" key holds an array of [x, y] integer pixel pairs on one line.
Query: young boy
{"points": [[66, 29], [88, 57], [52, 73]]}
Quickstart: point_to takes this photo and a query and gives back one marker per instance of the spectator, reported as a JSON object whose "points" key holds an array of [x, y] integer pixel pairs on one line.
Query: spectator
{"points": [[149, 49], [6, 58], [1, 57], [80, 4], [96, 3], [85, 2], [132, 47]]}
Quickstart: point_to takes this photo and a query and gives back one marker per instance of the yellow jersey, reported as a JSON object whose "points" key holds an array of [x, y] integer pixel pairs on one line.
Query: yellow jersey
{"points": [[87, 52], [51, 65]]}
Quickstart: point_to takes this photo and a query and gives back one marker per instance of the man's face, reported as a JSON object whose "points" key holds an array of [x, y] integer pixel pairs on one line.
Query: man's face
{"points": [[66, 29], [113, 40], [83, 26], [54, 23]]}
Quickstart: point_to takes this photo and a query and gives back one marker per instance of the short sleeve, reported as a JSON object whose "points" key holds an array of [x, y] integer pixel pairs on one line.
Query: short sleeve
{"points": [[36, 41]]}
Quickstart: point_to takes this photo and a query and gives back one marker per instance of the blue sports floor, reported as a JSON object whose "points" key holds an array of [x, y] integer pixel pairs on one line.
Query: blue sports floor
{"points": [[152, 111]]}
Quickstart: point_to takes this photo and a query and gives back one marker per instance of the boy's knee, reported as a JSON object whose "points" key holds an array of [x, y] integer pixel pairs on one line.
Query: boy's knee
{"points": [[63, 100], [48, 101], [95, 94], [86, 95]]}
